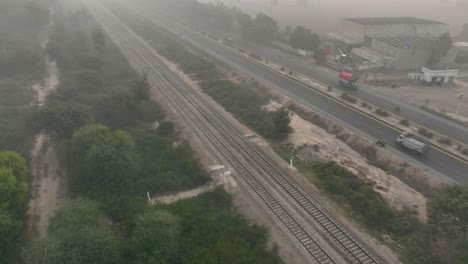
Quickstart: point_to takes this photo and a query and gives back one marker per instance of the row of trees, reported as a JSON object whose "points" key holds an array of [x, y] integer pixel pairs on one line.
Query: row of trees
{"points": [[13, 201], [112, 165], [260, 28]]}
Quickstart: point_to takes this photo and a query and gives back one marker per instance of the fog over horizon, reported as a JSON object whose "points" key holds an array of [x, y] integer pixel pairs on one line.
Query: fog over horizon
{"points": [[324, 15]]}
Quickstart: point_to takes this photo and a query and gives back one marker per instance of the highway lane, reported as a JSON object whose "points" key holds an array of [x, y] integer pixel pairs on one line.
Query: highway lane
{"points": [[311, 99], [436, 123], [365, 92]]}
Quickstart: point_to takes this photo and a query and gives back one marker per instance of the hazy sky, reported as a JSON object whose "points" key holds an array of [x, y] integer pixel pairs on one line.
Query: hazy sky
{"points": [[322, 15]]}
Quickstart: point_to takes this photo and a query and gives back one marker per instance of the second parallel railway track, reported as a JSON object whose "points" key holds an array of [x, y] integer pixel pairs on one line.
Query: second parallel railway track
{"points": [[255, 168]]}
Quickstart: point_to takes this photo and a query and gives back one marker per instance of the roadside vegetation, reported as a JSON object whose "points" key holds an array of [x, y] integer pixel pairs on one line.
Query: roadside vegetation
{"points": [[245, 103], [442, 239], [101, 119], [415, 241]]}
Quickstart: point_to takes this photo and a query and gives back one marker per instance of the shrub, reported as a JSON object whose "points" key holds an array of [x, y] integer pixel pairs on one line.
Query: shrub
{"points": [[255, 56], [364, 104], [425, 132], [464, 151], [405, 122], [320, 56], [381, 112], [166, 128], [348, 98], [445, 141]]}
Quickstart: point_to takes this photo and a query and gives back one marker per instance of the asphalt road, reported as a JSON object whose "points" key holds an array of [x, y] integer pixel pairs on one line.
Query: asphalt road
{"points": [[443, 126], [436, 161], [365, 92]]}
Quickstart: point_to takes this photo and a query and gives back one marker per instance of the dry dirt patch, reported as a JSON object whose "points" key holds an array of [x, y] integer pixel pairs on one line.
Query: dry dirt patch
{"points": [[317, 145]]}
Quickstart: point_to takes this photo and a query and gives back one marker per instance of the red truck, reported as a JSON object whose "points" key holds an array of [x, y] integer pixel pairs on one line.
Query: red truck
{"points": [[347, 79]]}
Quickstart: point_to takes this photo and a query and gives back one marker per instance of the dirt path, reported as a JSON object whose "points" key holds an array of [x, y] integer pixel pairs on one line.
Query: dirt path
{"points": [[172, 198], [48, 187]]}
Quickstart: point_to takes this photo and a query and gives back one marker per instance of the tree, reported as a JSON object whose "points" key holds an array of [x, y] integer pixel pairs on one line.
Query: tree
{"points": [[104, 161], [463, 36], [320, 56], [281, 121], [440, 47], [448, 217], [155, 237], [245, 21], [142, 88], [13, 182], [61, 119], [99, 39], [88, 80], [448, 210], [77, 234], [13, 199], [38, 13], [262, 29], [302, 38], [91, 62], [166, 128]]}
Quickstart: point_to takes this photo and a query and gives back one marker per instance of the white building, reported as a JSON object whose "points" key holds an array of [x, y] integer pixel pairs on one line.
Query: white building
{"points": [[434, 76]]}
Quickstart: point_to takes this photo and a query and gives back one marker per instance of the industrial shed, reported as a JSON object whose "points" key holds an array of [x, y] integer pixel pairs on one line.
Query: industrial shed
{"points": [[407, 52], [359, 29]]}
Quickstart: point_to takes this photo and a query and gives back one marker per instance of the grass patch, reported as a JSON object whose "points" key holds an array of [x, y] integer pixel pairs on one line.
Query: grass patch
{"points": [[358, 199]]}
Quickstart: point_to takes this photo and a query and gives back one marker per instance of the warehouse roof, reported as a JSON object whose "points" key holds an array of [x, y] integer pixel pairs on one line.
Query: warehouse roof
{"points": [[403, 41], [392, 21]]}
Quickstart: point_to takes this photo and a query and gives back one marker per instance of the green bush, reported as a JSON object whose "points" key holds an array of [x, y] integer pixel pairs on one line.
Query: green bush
{"points": [[445, 141], [348, 98], [405, 122], [382, 112], [423, 131], [211, 220]]}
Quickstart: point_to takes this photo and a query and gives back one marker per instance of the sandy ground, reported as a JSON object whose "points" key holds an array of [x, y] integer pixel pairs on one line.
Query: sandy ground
{"points": [[47, 186], [441, 97], [316, 144]]}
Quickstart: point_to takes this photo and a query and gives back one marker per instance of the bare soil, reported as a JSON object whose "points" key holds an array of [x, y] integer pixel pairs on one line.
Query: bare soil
{"points": [[48, 183], [316, 144], [48, 186], [440, 97]]}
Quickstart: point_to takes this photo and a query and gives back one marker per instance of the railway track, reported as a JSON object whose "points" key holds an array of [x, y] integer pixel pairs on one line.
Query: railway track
{"points": [[246, 159]]}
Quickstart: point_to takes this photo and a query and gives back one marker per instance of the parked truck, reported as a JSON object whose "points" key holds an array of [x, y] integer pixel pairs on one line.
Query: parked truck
{"points": [[347, 79], [410, 142]]}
